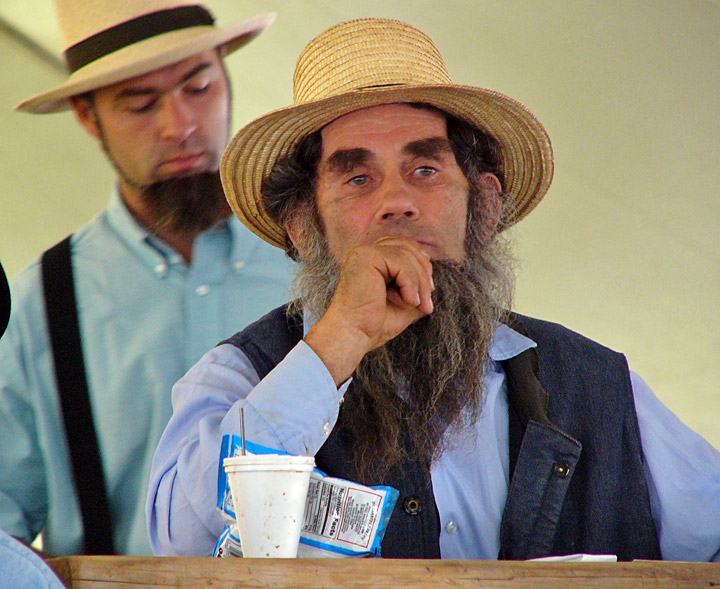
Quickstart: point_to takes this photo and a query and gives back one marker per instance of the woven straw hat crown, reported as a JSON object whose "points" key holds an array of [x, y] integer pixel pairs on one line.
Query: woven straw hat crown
{"points": [[109, 41], [387, 53], [369, 62]]}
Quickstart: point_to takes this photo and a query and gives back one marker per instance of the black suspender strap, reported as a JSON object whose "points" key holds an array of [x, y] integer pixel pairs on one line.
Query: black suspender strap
{"points": [[64, 331]]}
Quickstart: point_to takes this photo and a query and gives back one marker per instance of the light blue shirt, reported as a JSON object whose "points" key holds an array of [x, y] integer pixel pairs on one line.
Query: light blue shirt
{"points": [[296, 405], [146, 317], [21, 568]]}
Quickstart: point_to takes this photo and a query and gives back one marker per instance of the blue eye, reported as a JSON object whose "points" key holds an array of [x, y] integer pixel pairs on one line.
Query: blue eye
{"points": [[359, 180], [425, 171]]}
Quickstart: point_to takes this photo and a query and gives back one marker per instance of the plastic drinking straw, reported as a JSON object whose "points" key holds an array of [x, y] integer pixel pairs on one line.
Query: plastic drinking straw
{"points": [[242, 429]]}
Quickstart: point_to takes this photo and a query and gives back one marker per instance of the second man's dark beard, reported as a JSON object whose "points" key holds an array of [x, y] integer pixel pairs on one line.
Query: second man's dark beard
{"points": [[186, 204]]}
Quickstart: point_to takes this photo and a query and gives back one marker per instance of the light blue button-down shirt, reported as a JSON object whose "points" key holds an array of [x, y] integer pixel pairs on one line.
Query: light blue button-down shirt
{"points": [[146, 317], [296, 405]]}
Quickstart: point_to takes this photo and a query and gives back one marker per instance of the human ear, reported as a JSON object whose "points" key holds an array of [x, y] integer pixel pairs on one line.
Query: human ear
{"points": [[85, 114], [490, 191], [298, 231], [305, 230], [294, 235]]}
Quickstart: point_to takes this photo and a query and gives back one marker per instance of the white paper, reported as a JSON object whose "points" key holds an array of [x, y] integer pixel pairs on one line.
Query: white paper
{"points": [[579, 558]]}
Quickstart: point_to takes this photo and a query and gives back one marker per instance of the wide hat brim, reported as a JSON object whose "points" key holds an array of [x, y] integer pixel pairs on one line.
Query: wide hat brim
{"points": [[526, 158], [146, 56]]}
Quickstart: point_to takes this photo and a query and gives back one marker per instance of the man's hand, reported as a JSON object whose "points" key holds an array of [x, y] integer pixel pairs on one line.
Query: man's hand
{"points": [[383, 288]]}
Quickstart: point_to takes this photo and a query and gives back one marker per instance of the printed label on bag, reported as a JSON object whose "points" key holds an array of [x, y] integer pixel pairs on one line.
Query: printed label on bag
{"points": [[341, 512]]}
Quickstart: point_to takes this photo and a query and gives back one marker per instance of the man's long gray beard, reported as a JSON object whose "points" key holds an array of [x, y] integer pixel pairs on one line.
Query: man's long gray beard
{"points": [[419, 392], [187, 204]]}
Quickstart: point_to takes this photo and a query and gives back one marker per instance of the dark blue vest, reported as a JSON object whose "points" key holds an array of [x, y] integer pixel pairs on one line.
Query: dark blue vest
{"points": [[577, 480]]}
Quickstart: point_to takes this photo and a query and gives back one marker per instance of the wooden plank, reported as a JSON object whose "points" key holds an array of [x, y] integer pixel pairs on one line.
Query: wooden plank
{"points": [[116, 572]]}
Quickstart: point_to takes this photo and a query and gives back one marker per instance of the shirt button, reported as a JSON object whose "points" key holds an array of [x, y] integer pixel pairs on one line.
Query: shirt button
{"points": [[202, 290], [561, 470], [161, 269], [239, 265], [412, 505], [451, 527], [326, 428]]}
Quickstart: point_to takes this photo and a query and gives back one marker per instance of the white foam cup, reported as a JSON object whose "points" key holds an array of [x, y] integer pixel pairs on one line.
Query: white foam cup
{"points": [[269, 493]]}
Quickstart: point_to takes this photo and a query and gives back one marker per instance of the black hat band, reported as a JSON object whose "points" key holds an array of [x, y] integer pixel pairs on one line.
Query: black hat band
{"points": [[133, 31]]}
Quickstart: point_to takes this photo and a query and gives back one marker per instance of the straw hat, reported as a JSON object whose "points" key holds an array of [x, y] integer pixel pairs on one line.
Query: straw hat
{"points": [[369, 62], [108, 41]]}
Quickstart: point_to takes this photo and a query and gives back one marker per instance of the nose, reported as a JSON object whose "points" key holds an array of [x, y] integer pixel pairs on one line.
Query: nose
{"points": [[177, 119], [397, 201]]}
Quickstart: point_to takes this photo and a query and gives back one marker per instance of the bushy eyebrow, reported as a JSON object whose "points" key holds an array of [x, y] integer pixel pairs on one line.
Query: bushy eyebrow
{"points": [[344, 160], [431, 148], [144, 91]]}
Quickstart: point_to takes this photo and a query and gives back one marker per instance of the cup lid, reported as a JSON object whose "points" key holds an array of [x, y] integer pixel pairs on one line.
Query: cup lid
{"points": [[267, 459]]}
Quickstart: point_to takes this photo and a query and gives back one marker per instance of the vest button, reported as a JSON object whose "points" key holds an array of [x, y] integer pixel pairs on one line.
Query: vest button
{"points": [[560, 469], [412, 505]]}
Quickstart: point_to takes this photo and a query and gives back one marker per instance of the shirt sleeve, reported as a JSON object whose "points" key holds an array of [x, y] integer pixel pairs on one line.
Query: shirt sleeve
{"points": [[21, 568], [293, 409], [683, 474]]}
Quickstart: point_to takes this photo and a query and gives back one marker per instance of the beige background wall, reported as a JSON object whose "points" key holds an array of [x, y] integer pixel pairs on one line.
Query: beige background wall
{"points": [[624, 248]]}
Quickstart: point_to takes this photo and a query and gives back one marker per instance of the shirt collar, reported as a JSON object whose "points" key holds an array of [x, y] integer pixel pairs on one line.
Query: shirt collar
{"points": [[507, 343], [122, 221], [156, 254], [152, 252]]}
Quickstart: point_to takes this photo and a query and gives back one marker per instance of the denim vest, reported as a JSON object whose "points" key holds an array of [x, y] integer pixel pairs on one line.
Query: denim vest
{"points": [[577, 481]]}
